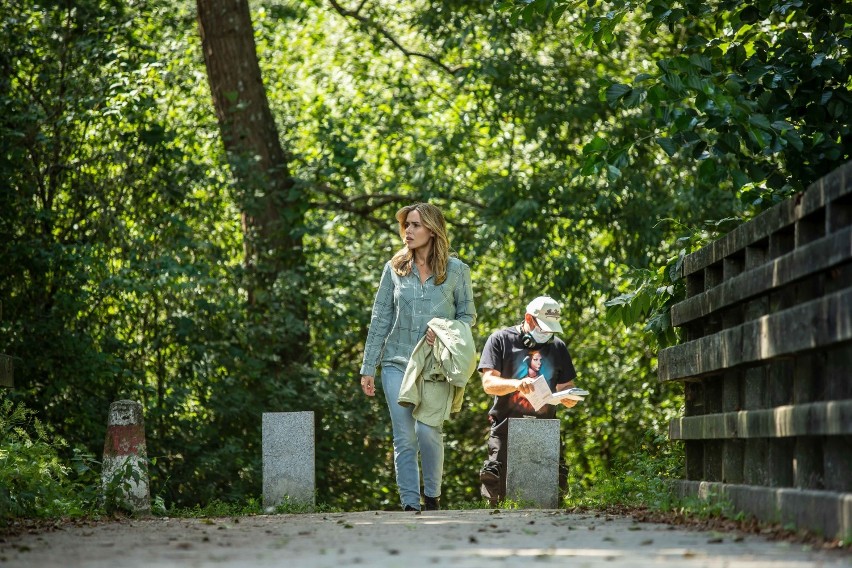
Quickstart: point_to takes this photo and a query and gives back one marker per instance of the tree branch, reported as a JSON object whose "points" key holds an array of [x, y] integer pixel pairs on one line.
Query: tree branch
{"points": [[364, 206], [368, 23], [341, 202]]}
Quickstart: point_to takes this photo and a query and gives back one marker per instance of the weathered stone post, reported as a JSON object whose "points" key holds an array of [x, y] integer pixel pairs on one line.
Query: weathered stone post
{"points": [[288, 458], [125, 467], [532, 462]]}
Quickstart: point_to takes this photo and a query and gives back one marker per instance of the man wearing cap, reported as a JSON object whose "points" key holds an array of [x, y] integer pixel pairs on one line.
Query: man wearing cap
{"points": [[511, 360]]}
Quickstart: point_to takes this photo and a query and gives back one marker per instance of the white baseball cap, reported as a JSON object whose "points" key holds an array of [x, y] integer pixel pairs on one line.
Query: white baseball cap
{"points": [[546, 312]]}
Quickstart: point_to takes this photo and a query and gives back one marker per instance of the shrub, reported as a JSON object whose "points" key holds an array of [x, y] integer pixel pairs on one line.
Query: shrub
{"points": [[34, 481]]}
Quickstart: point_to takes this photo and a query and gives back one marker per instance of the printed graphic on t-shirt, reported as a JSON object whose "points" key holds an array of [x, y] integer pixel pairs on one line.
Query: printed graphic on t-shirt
{"points": [[531, 365]]}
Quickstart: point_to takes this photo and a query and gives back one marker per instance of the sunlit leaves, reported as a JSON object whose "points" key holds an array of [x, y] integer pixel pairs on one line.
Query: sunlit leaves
{"points": [[649, 300], [755, 71]]}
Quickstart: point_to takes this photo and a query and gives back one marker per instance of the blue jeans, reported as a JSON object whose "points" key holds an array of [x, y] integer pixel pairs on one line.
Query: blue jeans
{"points": [[409, 435]]}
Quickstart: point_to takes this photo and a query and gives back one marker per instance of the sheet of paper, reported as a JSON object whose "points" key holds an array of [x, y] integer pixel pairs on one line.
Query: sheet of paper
{"points": [[540, 395]]}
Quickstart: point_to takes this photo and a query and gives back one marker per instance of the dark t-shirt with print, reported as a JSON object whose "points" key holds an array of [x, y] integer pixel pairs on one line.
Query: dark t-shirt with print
{"points": [[505, 352]]}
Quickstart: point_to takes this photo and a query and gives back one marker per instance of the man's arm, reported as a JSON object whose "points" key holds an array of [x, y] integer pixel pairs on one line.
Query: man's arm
{"points": [[494, 384]]}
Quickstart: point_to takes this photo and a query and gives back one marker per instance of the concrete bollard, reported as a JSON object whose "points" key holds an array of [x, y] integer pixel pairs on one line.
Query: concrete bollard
{"points": [[288, 458], [125, 463], [532, 472]]}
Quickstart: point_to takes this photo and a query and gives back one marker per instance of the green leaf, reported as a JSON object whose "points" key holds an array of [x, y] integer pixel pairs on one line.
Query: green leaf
{"points": [[755, 73], [673, 81], [557, 13], [740, 179], [612, 173], [701, 62], [620, 300], [615, 92], [794, 139], [760, 138], [836, 108], [634, 98], [596, 146], [592, 165], [707, 170], [613, 314], [760, 121], [695, 82], [728, 143], [667, 144]]}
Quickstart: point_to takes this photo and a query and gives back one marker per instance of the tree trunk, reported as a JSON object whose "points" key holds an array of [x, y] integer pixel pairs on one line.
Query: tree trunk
{"points": [[272, 209]]}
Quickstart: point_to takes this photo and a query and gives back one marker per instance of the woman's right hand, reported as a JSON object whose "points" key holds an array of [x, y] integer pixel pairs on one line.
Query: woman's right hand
{"points": [[368, 385]]}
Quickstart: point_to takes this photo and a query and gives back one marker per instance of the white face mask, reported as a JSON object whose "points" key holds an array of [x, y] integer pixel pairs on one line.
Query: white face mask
{"points": [[541, 336]]}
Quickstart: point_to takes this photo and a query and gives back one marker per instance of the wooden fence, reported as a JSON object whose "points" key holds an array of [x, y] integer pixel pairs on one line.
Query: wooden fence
{"points": [[766, 363]]}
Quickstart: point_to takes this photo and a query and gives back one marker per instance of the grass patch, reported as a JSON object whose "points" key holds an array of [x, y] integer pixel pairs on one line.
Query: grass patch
{"points": [[504, 505], [253, 506], [470, 505], [643, 481]]}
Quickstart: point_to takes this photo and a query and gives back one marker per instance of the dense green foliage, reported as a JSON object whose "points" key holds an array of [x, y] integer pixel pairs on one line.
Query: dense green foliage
{"points": [[756, 95], [565, 152], [757, 92], [36, 481]]}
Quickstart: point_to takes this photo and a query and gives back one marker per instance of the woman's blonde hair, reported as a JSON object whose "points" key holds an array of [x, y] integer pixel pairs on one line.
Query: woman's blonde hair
{"points": [[439, 257]]}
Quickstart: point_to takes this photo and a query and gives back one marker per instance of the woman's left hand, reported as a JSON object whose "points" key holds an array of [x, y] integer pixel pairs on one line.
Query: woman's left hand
{"points": [[430, 336]]}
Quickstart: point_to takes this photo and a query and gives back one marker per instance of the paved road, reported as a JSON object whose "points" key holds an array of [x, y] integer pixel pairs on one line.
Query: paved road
{"points": [[460, 539]]}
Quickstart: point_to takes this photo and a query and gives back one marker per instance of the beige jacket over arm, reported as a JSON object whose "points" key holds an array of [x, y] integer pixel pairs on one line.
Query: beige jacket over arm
{"points": [[436, 375]]}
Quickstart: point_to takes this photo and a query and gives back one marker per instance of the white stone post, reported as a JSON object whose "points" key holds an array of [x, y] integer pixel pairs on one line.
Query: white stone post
{"points": [[288, 458], [532, 462]]}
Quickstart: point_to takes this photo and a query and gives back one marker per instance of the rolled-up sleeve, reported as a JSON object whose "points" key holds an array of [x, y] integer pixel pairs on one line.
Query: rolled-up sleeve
{"points": [[380, 323], [463, 295]]}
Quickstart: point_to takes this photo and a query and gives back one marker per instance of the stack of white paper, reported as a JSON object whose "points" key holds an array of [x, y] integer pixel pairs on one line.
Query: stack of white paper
{"points": [[541, 394]]}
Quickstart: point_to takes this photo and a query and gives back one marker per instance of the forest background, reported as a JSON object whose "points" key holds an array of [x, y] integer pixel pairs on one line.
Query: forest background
{"points": [[216, 257]]}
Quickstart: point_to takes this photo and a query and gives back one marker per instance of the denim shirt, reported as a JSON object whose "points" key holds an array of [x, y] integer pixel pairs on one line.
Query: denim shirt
{"points": [[403, 307]]}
